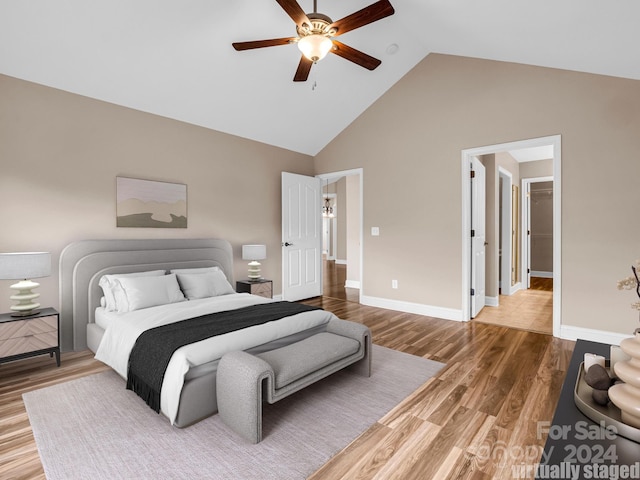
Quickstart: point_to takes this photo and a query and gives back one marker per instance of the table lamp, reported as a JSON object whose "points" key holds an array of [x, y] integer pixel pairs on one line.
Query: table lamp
{"points": [[254, 253], [24, 266]]}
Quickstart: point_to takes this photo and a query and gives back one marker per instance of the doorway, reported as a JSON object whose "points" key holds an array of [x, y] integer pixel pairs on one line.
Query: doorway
{"points": [[329, 223], [510, 253], [342, 257], [537, 245]]}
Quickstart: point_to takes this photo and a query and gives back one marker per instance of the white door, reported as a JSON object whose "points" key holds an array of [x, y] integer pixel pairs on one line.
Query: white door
{"points": [[301, 237], [478, 236]]}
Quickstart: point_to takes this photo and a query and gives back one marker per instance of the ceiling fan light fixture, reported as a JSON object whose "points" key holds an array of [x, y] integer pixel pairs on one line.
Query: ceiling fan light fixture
{"points": [[315, 47]]}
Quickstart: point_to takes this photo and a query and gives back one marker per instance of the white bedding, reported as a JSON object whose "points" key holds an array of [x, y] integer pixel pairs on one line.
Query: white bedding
{"points": [[123, 329]]}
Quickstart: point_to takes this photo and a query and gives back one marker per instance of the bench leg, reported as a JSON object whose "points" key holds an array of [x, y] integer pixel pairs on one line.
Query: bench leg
{"points": [[239, 390]]}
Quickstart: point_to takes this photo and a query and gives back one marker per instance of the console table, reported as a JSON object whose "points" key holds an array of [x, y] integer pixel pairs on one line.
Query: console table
{"points": [[576, 443]]}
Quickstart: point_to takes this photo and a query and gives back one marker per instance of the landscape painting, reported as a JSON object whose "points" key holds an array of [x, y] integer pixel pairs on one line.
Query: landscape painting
{"points": [[151, 204]]}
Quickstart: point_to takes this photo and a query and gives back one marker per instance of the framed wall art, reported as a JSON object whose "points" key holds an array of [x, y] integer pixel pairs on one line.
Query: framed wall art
{"points": [[150, 204]]}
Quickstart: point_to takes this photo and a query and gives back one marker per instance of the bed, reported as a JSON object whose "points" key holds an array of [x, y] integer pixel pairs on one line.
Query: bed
{"points": [[189, 385]]}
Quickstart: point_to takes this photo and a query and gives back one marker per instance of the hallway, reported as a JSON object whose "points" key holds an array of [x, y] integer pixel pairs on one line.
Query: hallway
{"points": [[334, 279], [530, 309]]}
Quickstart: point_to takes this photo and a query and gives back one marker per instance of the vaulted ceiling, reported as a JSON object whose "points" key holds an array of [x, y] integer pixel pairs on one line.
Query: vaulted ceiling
{"points": [[175, 59]]}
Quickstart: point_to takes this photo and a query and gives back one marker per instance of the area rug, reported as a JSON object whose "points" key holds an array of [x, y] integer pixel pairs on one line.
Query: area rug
{"points": [[94, 428]]}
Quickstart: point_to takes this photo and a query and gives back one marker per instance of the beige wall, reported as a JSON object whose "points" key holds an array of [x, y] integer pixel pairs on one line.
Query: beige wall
{"points": [[537, 168], [60, 154], [409, 143]]}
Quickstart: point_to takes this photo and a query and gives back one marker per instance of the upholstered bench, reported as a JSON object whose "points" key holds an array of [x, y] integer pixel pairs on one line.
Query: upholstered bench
{"points": [[245, 380]]}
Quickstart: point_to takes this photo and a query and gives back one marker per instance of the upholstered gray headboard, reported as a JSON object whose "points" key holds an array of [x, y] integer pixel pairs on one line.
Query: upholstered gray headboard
{"points": [[83, 263]]}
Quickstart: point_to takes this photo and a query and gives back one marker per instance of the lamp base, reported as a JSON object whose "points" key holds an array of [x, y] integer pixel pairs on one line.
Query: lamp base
{"points": [[27, 313], [25, 306], [254, 271]]}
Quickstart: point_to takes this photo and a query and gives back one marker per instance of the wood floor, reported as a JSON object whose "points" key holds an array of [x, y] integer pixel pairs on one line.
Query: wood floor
{"points": [[473, 420], [19, 457], [334, 277], [530, 309]]}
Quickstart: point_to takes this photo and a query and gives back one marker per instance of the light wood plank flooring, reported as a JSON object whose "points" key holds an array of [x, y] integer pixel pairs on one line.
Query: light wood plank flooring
{"points": [[464, 423], [471, 419], [530, 309]]}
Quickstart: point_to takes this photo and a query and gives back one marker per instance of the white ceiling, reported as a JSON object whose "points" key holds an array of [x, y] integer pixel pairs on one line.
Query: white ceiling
{"points": [[174, 58], [532, 154]]}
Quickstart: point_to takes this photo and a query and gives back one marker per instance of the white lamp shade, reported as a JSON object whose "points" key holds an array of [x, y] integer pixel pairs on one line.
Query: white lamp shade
{"points": [[254, 252], [24, 265], [315, 47]]}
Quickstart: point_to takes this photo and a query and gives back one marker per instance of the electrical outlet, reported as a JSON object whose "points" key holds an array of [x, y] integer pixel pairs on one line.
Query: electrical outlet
{"points": [[394, 283]]}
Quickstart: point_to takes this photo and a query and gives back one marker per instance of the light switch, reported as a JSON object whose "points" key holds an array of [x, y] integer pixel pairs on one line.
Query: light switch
{"points": [[375, 231]]}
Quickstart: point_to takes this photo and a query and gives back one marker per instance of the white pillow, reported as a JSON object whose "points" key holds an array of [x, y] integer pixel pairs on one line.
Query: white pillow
{"points": [[204, 285], [113, 291], [145, 292], [195, 270]]}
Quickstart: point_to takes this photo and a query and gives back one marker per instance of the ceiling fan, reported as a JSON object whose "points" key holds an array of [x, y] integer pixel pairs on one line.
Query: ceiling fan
{"points": [[317, 32]]}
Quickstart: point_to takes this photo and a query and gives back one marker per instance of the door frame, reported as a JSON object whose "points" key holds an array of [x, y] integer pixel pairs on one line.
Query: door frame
{"points": [[346, 173], [506, 252], [478, 269], [556, 142]]}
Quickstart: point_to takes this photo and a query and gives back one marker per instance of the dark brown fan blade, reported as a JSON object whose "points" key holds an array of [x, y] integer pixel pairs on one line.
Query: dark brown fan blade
{"points": [[304, 67], [355, 56], [294, 11], [372, 13], [262, 43]]}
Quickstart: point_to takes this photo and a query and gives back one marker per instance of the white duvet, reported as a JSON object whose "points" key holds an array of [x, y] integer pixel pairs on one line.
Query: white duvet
{"points": [[123, 330]]}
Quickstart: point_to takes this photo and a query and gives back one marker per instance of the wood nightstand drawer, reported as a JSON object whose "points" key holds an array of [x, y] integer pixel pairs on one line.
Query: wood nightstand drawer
{"points": [[23, 328], [262, 288], [29, 343]]}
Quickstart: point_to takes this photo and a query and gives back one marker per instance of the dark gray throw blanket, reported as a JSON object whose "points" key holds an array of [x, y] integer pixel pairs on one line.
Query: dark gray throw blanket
{"points": [[153, 349]]}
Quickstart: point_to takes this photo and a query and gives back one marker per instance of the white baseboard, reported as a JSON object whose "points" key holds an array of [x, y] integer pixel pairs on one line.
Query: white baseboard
{"points": [[340, 262], [536, 273], [409, 307], [569, 332], [511, 289], [277, 297], [352, 284], [491, 301]]}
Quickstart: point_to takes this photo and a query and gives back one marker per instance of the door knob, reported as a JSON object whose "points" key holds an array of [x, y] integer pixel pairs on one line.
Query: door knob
{"points": [[287, 244]]}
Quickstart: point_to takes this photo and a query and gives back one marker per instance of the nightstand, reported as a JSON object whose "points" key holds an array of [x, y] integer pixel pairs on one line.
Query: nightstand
{"points": [[22, 337], [262, 287]]}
